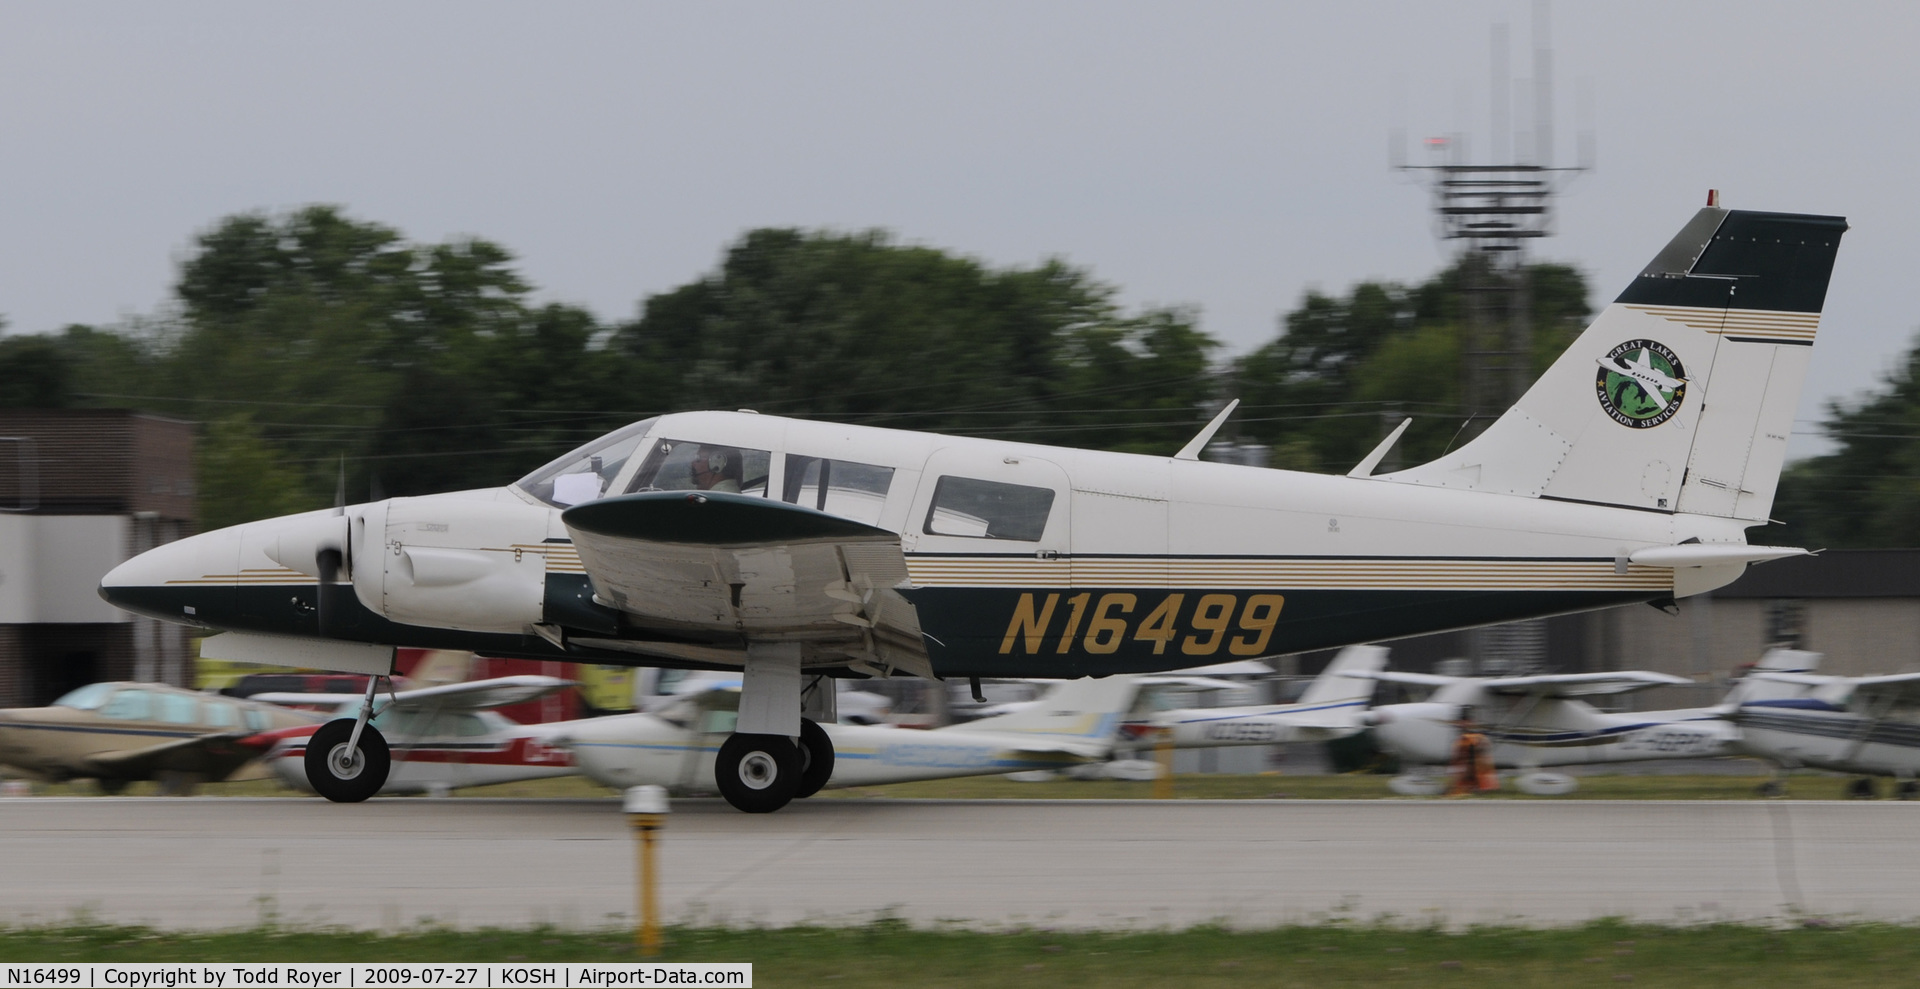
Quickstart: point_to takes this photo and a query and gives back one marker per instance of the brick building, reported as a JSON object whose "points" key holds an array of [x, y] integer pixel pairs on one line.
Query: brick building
{"points": [[82, 490]]}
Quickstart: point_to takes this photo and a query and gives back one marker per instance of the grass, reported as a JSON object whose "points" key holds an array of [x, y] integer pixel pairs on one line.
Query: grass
{"points": [[1198, 786], [889, 953]]}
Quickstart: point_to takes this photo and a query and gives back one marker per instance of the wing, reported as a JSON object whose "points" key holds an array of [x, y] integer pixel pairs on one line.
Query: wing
{"points": [[476, 695], [1565, 685], [1901, 688], [1418, 679], [725, 567], [212, 757]]}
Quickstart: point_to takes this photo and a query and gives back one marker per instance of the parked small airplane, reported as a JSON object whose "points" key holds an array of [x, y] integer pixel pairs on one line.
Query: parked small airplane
{"points": [[792, 549], [120, 733], [1865, 725], [1332, 707], [1076, 722], [1539, 721], [442, 737]]}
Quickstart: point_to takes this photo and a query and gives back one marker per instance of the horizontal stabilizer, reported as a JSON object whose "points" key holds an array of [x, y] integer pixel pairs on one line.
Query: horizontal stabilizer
{"points": [[1710, 554]]}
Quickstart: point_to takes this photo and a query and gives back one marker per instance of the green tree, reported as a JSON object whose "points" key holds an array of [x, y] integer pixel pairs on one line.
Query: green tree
{"points": [[855, 327], [35, 373], [1345, 370], [1866, 493]]}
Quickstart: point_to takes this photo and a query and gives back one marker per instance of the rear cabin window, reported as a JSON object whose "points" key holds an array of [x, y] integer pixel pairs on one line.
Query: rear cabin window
{"points": [[968, 506], [837, 487], [219, 715], [178, 710], [690, 465]]}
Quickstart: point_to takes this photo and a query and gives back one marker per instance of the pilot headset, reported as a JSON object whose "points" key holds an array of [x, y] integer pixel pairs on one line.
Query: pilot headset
{"points": [[717, 461]]}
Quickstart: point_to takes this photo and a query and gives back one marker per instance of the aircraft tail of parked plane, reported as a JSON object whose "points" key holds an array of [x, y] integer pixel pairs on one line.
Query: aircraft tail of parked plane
{"points": [[1713, 337], [1079, 716], [1331, 707], [1339, 684], [1760, 684]]}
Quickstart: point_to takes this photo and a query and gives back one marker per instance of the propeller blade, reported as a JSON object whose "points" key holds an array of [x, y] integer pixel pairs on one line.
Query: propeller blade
{"points": [[328, 562], [340, 488]]}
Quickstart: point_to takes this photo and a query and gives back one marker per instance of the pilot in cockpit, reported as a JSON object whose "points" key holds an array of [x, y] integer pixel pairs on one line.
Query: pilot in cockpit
{"points": [[717, 468]]}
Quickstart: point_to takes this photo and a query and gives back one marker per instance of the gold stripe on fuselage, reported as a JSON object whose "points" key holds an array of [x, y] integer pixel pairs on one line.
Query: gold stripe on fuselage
{"points": [[1295, 574]]}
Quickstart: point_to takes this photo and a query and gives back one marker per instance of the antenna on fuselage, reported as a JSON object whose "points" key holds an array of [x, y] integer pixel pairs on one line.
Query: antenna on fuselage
{"points": [[1192, 450]]}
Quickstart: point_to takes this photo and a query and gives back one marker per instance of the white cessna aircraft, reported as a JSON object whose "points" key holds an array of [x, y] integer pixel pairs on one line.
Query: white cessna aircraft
{"points": [[676, 747], [789, 548], [1866, 725], [1544, 720]]}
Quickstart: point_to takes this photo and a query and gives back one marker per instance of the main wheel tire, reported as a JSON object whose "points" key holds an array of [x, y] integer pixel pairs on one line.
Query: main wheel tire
{"points": [[112, 786], [1862, 788], [816, 759], [1907, 790], [757, 774], [342, 777]]}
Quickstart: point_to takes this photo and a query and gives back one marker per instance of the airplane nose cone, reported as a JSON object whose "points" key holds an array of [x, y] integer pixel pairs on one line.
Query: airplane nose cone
{"points": [[177, 581]]}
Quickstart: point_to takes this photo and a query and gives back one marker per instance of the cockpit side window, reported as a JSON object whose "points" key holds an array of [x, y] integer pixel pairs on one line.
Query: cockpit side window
{"points": [[690, 465], [133, 705], [969, 506], [585, 474], [837, 487]]}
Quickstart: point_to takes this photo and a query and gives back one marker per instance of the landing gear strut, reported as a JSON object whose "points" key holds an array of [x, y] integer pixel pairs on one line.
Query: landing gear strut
{"points": [[347, 759]]}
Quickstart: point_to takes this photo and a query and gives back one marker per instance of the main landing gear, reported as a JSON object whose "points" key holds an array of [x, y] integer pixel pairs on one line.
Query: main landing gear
{"points": [[775, 754], [347, 759]]}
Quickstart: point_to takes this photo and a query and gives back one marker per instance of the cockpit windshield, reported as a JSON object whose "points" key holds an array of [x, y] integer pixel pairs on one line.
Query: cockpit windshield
{"points": [[584, 474], [86, 698]]}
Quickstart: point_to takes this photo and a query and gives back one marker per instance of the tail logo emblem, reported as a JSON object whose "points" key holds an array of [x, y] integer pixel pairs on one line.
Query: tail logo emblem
{"points": [[1641, 383]]}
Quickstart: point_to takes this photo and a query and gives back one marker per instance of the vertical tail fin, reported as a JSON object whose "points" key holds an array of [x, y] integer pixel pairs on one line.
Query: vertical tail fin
{"points": [[1775, 661], [1679, 397], [1086, 707], [1336, 683]]}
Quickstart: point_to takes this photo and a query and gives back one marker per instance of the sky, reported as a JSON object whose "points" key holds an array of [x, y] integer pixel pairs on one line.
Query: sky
{"points": [[1224, 156]]}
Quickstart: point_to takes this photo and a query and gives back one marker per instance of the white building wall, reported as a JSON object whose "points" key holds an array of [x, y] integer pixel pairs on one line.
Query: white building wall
{"points": [[51, 565]]}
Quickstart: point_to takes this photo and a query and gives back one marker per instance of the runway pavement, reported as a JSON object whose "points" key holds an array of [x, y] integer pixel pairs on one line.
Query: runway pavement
{"points": [[228, 862]]}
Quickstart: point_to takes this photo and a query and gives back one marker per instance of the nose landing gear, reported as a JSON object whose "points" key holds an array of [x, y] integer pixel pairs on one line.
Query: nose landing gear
{"points": [[347, 759]]}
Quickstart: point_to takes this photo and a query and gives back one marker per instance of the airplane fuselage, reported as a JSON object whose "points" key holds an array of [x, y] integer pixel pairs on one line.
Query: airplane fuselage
{"points": [[1030, 561]]}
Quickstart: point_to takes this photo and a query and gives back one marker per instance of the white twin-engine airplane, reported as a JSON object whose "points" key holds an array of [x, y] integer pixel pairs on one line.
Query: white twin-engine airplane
{"points": [[788, 548]]}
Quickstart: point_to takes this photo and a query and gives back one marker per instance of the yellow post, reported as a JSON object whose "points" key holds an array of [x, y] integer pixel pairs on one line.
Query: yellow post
{"points": [[1163, 754], [647, 809]]}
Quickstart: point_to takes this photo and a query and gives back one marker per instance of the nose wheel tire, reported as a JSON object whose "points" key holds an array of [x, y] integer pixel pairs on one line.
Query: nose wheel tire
{"points": [[757, 774], [816, 759], [345, 775]]}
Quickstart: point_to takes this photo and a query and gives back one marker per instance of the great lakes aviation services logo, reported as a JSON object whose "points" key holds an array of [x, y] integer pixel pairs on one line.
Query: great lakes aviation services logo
{"points": [[1641, 383]]}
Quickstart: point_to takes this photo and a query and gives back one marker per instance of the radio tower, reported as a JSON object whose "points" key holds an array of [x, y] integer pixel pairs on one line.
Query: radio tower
{"points": [[1493, 210]]}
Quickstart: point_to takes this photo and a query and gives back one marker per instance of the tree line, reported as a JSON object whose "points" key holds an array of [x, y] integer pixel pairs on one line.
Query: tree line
{"points": [[310, 343]]}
